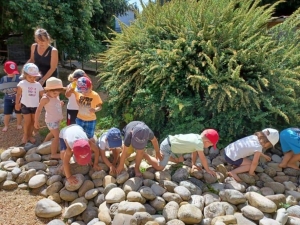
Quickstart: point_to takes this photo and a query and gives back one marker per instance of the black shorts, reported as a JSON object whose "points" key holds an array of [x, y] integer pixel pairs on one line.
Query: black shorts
{"points": [[232, 162], [27, 110], [9, 107], [71, 116]]}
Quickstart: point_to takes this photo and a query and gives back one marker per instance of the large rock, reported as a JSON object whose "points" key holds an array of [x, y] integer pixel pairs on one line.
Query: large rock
{"points": [[218, 209], [37, 181], [130, 207], [232, 196], [44, 148], [124, 219], [252, 213], [115, 195], [17, 152], [170, 211], [181, 174], [260, 202], [35, 165], [132, 184], [229, 219], [74, 187], [189, 214], [47, 208], [74, 210], [294, 211]]}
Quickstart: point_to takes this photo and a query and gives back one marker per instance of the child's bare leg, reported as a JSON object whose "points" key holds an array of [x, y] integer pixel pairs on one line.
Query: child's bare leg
{"points": [[176, 160], [54, 144], [152, 161], [6, 122], [48, 137], [26, 128], [244, 167], [19, 121], [31, 128], [293, 162], [138, 160], [286, 158]]}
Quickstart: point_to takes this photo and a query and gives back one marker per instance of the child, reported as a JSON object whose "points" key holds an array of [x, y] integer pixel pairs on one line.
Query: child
{"points": [[89, 102], [237, 152], [8, 85], [111, 140], [136, 136], [53, 108], [27, 99], [73, 140], [290, 145], [72, 107], [174, 146]]}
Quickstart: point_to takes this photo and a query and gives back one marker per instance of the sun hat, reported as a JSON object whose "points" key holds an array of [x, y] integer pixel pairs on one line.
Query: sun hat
{"points": [[11, 67], [83, 84], [272, 135], [53, 83], [140, 136], [82, 151], [114, 138], [31, 69], [213, 136]]}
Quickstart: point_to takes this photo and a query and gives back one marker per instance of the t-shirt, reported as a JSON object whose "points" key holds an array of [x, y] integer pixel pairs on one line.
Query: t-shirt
{"points": [[8, 85], [128, 134], [243, 148], [86, 102], [30, 93], [72, 133], [185, 143], [72, 103]]}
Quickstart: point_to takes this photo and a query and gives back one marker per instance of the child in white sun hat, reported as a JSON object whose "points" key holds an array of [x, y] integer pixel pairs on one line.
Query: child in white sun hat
{"points": [[28, 95], [237, 152], [53, 107]]}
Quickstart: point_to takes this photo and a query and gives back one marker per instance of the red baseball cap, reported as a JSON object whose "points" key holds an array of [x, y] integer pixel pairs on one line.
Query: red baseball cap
{"points": [[213, 136], [82, 152], [11, 67], [83, 84]]}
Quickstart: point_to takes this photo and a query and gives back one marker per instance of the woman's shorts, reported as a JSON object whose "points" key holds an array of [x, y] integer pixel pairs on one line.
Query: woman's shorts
{"points": [[27, 110], [290, 140], [233, 162]]}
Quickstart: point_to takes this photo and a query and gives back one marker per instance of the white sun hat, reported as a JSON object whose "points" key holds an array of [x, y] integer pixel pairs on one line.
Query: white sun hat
{"points": [[272, 135]]}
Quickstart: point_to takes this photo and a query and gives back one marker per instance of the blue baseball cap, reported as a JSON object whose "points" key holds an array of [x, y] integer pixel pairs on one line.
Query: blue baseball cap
{"points": [[114, 138]]}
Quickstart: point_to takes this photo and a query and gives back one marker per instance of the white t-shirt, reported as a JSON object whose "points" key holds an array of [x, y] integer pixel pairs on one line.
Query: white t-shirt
{"points": [[103, 143], [72, 104], [30, 93], [243, 148], [72, 133]]}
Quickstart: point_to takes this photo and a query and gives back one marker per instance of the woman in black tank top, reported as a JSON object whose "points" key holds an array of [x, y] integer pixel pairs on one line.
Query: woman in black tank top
{"points": [[44, 55]]}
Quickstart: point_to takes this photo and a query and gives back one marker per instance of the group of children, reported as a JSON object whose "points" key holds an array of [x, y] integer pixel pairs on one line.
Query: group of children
{"points": [[26, 96]]}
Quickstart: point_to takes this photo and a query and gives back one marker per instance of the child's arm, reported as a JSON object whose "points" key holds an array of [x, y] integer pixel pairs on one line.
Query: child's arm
{"points": [[38, 111], [254, 163], [156, 148], [96, 109], [268, 158], [122, 159], [204, 163], [95, 149], [18, 98], [69, 92], [66, 165]]}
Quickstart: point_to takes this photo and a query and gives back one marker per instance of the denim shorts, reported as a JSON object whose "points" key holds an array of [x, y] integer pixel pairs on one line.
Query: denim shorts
{"points": [[88, 126], [53, 125], [62, 144], [165, 149], [27, 110], [233, 162], [9, 107]]}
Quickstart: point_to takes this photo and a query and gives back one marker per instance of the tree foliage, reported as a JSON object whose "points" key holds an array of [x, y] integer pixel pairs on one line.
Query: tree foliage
{"points": [[188, 65], [77, 26]]}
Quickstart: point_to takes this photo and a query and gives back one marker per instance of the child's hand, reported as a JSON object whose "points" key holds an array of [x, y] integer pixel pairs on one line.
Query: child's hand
{"points": [[62, 103], [252, 174], [112, 169], [119, 169], [72, 180], [92, 110], [213, 173], [194, 167], [36, 125], [268, 158], [97, 168], [18, 106], [159, 155]]}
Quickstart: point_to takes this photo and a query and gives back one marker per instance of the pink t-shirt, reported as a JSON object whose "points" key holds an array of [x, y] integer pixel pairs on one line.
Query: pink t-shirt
{"points": [[53, 110]]}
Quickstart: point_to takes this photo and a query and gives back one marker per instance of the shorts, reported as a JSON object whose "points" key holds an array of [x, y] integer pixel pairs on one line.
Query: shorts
{"points": [[88, 126], [290, 140], [165, 148], [53, 125], [71, 116], [27, 110], [233, 162], [9, 107], [62, 145]]}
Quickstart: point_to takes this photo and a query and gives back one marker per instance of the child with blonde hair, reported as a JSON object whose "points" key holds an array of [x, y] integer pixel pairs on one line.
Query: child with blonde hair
{"points": [[237, 152], [53, 106], [28, 95]]}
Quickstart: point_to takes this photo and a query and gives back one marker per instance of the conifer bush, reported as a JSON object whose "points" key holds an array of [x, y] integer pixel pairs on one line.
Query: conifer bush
{"points": [[188, 65]]}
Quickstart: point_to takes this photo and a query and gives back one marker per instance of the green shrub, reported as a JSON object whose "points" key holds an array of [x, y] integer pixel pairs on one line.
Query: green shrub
{"points": [[189, 65]]}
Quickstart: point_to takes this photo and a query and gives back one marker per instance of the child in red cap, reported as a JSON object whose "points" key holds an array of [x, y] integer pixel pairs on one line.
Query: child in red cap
{"points": [[8, 85], [174, 146]]}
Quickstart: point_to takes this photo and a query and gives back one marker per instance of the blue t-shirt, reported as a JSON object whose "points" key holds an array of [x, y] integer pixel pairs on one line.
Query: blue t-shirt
{"points": [[10, 92]]}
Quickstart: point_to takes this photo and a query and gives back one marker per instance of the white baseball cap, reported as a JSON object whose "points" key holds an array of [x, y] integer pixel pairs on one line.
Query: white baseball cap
{"points": [[272, 135]]}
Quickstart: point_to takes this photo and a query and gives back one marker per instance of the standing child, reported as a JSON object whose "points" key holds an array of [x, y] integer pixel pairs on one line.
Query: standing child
{"points": [[89, 103], [72, 106], [290, 145], [53, 108], [8, 85], [27, 99], [174, 146], [237, 152]]}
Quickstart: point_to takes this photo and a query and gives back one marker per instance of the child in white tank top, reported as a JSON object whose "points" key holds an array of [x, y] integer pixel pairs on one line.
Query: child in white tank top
{"points": [[53, 106]]}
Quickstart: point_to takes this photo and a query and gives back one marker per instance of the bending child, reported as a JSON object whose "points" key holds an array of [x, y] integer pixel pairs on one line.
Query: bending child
{"points": [[290, 145], [27, 100], [53, 108], [237, 152], [174, 146]]}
